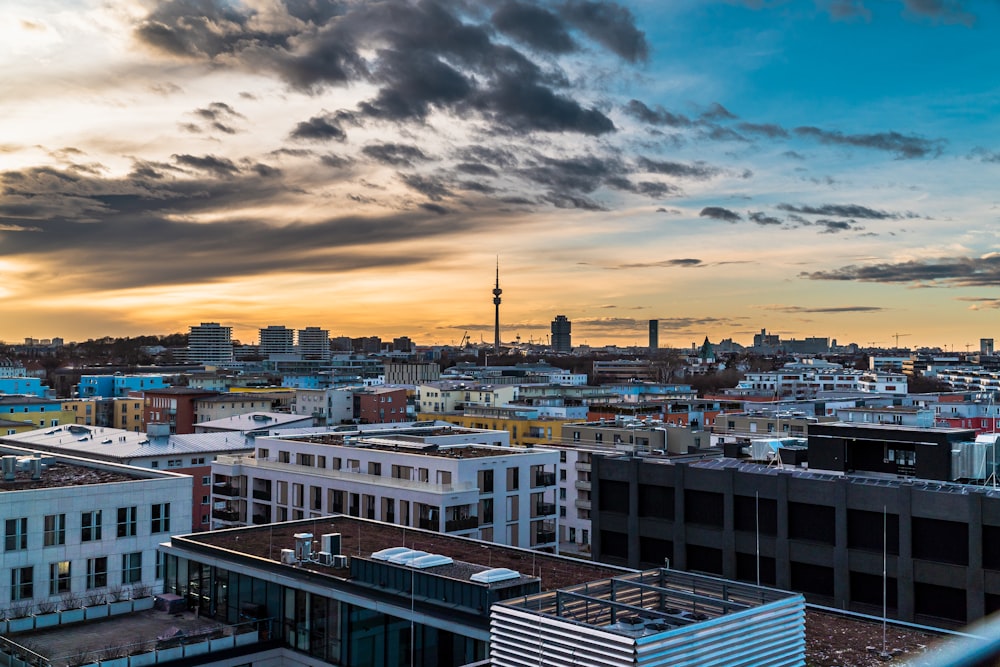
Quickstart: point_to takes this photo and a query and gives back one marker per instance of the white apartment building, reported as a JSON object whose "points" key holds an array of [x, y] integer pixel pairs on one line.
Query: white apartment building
{"points": [[440, 478], [78, 528], [803, 381], [314, 343], [453, 395], [209, 343], [327, 407], [277, 339]]}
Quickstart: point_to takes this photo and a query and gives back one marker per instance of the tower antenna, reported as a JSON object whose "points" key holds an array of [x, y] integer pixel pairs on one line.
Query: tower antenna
{"points": [[496, 303]]}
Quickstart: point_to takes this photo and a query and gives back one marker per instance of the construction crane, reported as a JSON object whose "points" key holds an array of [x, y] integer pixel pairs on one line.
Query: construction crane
{"points": [[465, 340], [897, 336]]}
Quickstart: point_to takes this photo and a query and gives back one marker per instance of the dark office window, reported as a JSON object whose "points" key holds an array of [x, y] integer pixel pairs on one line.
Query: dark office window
{"points": [[814, 523], [864, 531], [747, 512], [613, 496], [614, 544], [703, 507], [653, 552], [126, 521], [90, 526], [704, 559], [656, 501], [939, 601], [991, 548], [746, 569], [941, 541], [867, 589], [808, 578]]}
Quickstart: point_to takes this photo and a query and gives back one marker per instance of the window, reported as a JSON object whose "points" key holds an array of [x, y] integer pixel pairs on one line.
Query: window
{"points": [[262, 454], [90, 525], [126, 521], [132, 567], [97, 572], [59, 577], [22, 585], [284, 457], [200, 461], [16, 534], [54, 530], [154, 464], [161, 518], [159, 565], [206, 480], [175, 463]]}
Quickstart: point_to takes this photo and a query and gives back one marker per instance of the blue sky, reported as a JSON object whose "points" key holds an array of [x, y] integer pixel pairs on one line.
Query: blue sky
{"points": [[818, 168]]}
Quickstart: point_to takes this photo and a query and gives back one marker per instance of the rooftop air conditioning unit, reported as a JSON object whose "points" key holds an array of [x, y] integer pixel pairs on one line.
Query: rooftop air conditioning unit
{"points": [[288, 556], [324, 558], [340, 561]]}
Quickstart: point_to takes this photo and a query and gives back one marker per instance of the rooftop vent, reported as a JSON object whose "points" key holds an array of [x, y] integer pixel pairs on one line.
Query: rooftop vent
{"points": [[386, 554], [430, 560], [9, 468], [406, 557]]}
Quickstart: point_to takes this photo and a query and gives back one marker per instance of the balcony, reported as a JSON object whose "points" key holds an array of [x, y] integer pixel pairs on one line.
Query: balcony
{"points": [[226, 490], [583, 504], [456, 525], [260, 519], [545, 479], [582, 467], [545, 509], [582, 485], [545, 537], [262, 494], [226, 514], [428, 524]]}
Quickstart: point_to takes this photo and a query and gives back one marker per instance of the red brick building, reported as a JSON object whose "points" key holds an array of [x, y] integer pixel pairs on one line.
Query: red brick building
{"points": [[173, 406], [380, 405]]}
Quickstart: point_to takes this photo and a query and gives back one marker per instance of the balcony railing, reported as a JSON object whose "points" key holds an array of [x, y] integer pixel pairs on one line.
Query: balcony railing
{"points": [[226, 490], [583, 504], [455, 525], [226, 514], [545, 509], [582, 467], [582, 485], [545, 479], [261, 494], [545, 537], [428, 524], [259, 519]]}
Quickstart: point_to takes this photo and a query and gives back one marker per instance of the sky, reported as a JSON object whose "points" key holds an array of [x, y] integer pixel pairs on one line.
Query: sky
{"points": [[810, 167]]}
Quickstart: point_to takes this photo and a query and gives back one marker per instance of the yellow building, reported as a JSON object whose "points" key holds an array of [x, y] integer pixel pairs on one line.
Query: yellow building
{"points": [[128, 414], [81, 411], [31, 411], [524, 430]]}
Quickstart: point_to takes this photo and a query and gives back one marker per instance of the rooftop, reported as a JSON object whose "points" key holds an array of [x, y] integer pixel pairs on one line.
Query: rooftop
{"points": [[112, 444], [57, 474]]}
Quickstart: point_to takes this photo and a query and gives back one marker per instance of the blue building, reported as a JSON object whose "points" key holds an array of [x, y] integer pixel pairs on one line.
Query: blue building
{"points": [[117, 386], [24, 386]]}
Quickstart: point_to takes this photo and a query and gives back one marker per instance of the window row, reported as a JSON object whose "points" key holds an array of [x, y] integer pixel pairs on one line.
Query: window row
{"points": [[91, 526], [60, 575]]}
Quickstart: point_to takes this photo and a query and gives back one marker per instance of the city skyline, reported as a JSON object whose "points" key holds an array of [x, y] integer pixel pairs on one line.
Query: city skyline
{"points": [[815, 168]]}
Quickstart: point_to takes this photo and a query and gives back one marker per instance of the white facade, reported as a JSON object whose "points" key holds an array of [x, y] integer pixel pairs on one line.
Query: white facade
{"points": [[85, 528], [451, 396], [573, 496], [804, 381], [209, 343], [435, 478], [329, 406], [314, 343], [277, 339]]}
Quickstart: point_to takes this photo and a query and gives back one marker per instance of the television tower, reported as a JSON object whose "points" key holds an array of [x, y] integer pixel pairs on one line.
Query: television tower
{"points": [[496, 303]]}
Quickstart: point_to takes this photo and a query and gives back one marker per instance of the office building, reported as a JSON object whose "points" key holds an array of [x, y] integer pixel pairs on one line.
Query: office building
{"points": [[561, 334], [314, 343]]}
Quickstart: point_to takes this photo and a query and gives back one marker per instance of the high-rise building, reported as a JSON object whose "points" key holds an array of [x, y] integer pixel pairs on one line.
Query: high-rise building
{"points": [[654, 334], [986, 346], [210, 343], [496, 304], [277, 339], [314, 343], [561, 328]]}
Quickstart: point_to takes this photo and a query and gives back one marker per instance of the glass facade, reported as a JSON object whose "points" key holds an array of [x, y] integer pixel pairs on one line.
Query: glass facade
{"points": [[325, 628]]}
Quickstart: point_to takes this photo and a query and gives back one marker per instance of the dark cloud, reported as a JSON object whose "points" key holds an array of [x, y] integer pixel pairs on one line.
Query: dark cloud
{"points": [[218, 111], [762, 218], [397, 155], [571, 200], [769, 130], [719, 133], [845, 211], [945, 11], [836, 226], [265, 170], [318, 128], [720, 213], [795, 155], [335, 161], [826, 309], [984, 155], [666, 263], [979, 303], [658, 116], [697, 170], [434, 189], [610, 25], [904, 147], [476, 169], [534, 26], [497, 157], [420, 56], [718, 112], [222, 127], [435, 208], [952, 271], [212, 164]]}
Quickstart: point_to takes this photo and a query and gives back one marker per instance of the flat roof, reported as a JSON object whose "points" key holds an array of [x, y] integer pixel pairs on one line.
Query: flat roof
{"points": [[57, 474], [363, 537], [116, 444]]}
